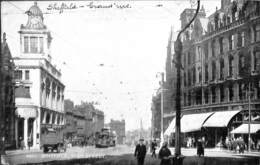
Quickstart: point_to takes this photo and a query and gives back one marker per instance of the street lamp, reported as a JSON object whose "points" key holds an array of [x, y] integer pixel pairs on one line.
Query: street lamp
{"points": [[249, 117], [161, 83], [178, 52]]}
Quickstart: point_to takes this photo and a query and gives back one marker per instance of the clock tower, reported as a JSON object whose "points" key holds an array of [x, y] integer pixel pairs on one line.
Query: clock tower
{"points": [[35, 39]]}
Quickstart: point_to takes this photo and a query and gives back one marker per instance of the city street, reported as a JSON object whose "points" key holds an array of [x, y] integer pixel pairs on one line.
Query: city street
{"points": [[37, 156], [182, 72]]}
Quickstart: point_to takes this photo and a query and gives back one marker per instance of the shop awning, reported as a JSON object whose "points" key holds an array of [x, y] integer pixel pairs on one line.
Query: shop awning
{"points": [[243, 129], [193, 122], [220, 119], [171, 128]]}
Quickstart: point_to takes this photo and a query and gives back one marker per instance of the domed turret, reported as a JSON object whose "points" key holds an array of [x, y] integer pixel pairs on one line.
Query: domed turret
{"points": [[35, 11], [35, 18]]}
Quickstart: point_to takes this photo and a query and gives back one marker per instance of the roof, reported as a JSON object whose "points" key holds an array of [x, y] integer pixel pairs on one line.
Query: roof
{"points": [[35, 11]]}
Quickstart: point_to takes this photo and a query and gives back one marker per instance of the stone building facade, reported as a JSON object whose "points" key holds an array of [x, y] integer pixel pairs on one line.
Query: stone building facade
{"points": [[221, 59], [41, 79], [156, 116]]}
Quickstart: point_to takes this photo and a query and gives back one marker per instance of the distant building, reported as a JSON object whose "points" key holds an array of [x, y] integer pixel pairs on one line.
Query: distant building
{"points": [[7, 109], [43, 105], [89, 119], [156, 116], [98, 120], [119, 127], [71, 122], [80, 123]]}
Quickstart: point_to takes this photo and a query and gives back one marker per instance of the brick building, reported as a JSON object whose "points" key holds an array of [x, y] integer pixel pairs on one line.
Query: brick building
{"points": [[119, 127], [221, 60], [71, 123]]}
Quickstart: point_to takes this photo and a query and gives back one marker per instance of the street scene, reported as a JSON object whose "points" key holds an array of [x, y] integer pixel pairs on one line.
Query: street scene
{"points": [[130, 82]]}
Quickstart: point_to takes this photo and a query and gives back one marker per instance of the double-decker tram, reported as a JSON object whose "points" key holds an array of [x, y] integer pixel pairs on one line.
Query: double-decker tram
{"points": [[105, 138]]}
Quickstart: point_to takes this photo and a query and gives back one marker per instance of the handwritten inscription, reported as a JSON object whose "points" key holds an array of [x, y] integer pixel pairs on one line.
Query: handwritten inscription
{"points": [[91, 5]]}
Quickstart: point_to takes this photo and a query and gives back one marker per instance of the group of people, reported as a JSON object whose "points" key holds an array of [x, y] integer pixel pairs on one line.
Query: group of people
{"points": [[22, 143], [164, 153], [238, 144]]}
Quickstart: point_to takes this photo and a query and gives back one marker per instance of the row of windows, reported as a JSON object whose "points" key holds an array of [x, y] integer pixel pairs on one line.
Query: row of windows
{"points": [[226, 93], [33, 44], [255, 35], [244, 64], [18, 75]]}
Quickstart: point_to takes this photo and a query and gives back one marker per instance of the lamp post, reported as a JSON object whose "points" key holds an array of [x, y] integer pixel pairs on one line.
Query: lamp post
{"points": [[178, 51], [249, 117], [162, 83]]}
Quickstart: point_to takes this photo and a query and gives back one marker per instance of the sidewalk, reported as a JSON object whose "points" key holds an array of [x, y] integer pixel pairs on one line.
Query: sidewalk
{"points": [[218, 151], [4, 160], [19, 151]]}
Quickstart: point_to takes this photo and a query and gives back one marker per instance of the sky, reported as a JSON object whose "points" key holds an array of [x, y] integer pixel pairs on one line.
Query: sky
{"points": [[107, 55]]}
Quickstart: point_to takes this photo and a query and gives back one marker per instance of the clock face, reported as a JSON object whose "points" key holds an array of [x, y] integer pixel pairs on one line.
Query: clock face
{"points": [[35, 20]]}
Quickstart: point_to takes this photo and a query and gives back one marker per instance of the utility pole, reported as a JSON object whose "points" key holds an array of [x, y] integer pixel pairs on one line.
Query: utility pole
{"points": [[178, 51], [249, 117]]}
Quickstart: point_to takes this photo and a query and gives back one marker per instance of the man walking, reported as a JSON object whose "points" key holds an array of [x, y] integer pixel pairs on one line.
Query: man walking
{"points": [[153, 147], [164, 154], [140, 152]]}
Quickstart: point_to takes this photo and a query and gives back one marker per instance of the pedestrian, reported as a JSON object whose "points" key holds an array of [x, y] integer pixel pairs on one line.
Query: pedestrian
{"points": [[29, 142], [22, 144], [164, 154], [258, 145], [153, 147], [200, 149], [140, 152]]}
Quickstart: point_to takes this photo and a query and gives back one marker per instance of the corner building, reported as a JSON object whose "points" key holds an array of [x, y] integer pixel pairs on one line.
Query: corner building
{"points": [[39, 90], [221, 60]]}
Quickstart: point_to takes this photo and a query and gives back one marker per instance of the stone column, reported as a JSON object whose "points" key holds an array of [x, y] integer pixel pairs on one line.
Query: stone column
{"points": [[16, 132], [25, 133], [34, 133]]}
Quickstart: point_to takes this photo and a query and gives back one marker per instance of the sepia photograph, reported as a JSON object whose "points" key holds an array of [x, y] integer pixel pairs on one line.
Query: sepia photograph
{"points": [[130, 82]]}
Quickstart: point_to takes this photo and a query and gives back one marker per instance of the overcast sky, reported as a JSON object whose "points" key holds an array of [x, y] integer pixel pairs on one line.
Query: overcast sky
{"points": [[129, 43]]}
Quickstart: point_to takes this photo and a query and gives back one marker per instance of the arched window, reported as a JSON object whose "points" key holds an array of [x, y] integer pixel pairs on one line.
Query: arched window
{"points": [[231, 92], [213, 70], [58, 120], [213, 94], [241, 63], [48, 118], [222, 65], [48, 87], [206, 96], [230, 63], [206, 73]]}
